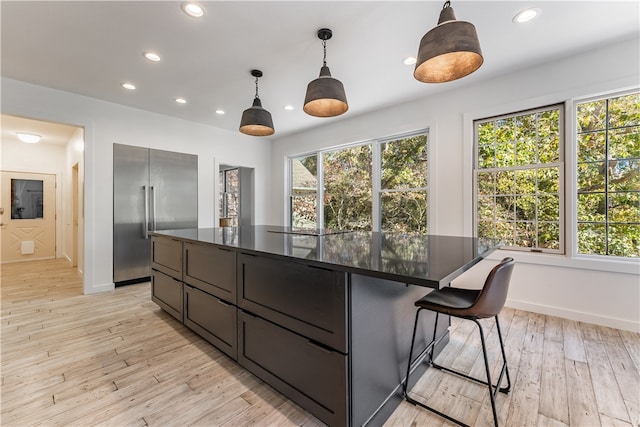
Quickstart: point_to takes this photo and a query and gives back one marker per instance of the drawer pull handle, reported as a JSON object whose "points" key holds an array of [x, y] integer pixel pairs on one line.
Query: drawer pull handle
{"points": [[226, 304], [319, 346]]}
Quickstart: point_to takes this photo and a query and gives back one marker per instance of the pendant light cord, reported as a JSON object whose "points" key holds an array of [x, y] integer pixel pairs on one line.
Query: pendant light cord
{"points": [[257, 97], [324, 58]]}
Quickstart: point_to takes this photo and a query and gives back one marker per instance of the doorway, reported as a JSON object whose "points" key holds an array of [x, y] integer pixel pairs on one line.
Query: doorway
{"points": [[55, 160]]}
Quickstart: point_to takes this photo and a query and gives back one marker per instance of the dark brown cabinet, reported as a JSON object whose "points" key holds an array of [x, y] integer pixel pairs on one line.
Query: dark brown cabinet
{"points": [[212, 318], [166, 275], [308, 300], [211, 269], [307, 372]]}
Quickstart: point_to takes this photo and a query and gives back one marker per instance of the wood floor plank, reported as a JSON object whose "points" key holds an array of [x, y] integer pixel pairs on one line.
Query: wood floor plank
{"points": [[608, 395], [553, 381], [583, 409]]}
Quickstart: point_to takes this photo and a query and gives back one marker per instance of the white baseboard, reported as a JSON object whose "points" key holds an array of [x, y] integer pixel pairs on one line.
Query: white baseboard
{"points": [[104, 287], [579, 316]]}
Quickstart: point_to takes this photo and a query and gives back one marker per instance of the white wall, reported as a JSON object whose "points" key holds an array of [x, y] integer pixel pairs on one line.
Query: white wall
{"points": [[74, 155], [38, 158], [601, 292], [106, 123]]}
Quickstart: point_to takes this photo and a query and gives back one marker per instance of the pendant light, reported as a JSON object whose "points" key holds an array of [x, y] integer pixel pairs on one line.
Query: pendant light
{"points": [[256, 120], [449, 51], [325, 95]]}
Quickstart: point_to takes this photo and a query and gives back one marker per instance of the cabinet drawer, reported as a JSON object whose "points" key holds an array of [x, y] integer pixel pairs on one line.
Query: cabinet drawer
{"points": [[167, 293], [212, 318], [308, 300], [166, 256], [211, 269], [311, 375]]}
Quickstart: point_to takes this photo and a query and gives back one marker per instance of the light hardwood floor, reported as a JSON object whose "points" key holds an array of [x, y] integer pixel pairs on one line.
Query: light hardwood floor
{"points": [[117, 359]]}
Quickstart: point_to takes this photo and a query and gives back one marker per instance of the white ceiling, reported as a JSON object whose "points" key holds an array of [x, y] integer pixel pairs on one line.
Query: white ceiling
{"points": [[51, 133], [91, 47]]}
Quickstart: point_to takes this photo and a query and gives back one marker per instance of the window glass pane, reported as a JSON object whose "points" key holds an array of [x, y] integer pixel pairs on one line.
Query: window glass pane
{"points": [[590, 177], [486, 134], [591, 146], [526, 207], [486, 208], [525, 181], [592, 115], [486, 156], [549, 235], [592, 238], [231, 205], [404, 163], [26, 199], [505, 182], [624, 207], [304, 175], [624, 111], [303, 211], [486, 183], [548, 180], [505, 154], [591, 207], [548, 207], [404, 211], [347, 189], [624, 143], [526, 234], [623, 240], [624, 175]]}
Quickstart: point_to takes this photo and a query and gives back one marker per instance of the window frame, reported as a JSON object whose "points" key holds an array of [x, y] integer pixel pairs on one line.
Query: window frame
{"points": [[559, 164]]}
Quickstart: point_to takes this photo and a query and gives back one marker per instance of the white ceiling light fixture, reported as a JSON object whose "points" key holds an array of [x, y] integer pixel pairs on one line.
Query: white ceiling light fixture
{"points": [[152, 56], [193, 9], [288, 107], [220, 112], [409, 60], [29, 138], [526, 15], [128, 86], [181, 100]]}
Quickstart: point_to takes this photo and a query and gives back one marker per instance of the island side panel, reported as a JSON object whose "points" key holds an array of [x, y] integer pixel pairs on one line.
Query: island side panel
{"points": [[382, 316]]}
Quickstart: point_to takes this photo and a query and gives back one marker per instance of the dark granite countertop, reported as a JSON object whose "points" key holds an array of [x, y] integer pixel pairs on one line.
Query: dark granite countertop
{"points": [[427, 260]]}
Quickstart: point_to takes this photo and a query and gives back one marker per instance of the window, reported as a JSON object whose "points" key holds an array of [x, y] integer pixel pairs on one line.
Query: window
{"points": [[403, 184], [229, 195], [380, 185], [303, 179], [518, 179], [608, 176], [26, 199], [347, 202]]}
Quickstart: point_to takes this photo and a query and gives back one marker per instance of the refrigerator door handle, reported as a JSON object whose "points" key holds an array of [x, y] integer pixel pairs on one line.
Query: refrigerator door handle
{"points": [[153, 210], [145, 226]]}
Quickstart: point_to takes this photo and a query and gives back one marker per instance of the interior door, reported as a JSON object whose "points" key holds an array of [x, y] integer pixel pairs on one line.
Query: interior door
{"points": [[28, 216]]}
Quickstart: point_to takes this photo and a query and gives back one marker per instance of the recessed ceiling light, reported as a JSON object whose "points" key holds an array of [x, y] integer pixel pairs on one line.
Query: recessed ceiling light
{"points": [[526, 15], [220, 112], [129, 86], [288, 107], [152, 56], [29, 138], [410, 60], [192, 9], [181, 100]]}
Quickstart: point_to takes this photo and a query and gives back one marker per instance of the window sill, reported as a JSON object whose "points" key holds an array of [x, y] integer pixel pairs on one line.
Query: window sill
{"points": [[631, 266]]}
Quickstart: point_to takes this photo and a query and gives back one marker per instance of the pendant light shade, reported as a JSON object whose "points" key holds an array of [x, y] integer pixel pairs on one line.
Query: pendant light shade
{"points": [[449, 51], [325, 95], [256, 120]]}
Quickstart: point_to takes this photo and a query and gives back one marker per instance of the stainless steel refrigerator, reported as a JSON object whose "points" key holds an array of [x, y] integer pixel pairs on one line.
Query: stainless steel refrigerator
{"points": [[152, 190]]}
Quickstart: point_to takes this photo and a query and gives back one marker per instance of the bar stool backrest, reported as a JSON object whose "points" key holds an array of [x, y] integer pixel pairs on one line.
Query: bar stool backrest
{"points": [[494, 292]]}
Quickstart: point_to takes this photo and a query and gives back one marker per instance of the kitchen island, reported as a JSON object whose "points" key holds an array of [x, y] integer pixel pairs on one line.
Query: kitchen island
{"points": [[325, 317]]}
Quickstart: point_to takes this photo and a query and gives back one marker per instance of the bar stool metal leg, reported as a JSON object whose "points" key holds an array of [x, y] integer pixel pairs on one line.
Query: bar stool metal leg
{"points": [[493, 389]]}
